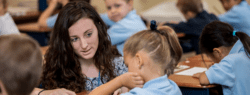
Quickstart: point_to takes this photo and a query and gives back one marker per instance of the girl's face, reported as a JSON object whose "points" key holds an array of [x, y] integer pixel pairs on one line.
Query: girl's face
{"points": [[84, 38], [228, 4], [118, 9]]}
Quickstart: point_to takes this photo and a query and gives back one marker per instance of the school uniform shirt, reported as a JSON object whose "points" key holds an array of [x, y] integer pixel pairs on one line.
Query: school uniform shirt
{"points": [[239, 17], [7, 25], [233, 72], [120, 31], [158, 86], [193, 27], [51, 21]]}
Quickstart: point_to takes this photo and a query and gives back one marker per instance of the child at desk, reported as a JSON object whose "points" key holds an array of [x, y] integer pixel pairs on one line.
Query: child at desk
{"points": [[151, 56], [7, 25], [122, 21], [220, 42], [196, 18], [46, 20], [237, 15], [20, 64]]}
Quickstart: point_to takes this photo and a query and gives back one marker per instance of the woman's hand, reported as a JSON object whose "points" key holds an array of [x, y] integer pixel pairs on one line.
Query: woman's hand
{"points": [[131, 80], [61, 91]]}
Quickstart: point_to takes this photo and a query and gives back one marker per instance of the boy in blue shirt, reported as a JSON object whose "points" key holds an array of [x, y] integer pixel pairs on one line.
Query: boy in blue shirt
{"points": [[220, 42], [122, 20], [237, 15], [151, 56], [196, 18]]}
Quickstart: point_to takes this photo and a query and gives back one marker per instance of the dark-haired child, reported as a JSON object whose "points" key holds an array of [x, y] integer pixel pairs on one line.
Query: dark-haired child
{"points": [[196, 18], [20, 64], [151, 56], [229, 49]]}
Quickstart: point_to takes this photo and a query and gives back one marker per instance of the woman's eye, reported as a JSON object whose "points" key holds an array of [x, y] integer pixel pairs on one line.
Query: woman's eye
{"points": [[74, 39], [89, 34]]}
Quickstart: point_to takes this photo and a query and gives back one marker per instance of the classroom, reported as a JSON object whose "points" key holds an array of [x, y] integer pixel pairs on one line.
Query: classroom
{"points": [[124, 47]]}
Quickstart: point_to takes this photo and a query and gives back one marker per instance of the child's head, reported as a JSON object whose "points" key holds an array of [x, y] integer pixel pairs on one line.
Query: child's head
{"points": [[20, 64], [217, 39], [79, 35], [228, 4], [189, 8], [118, 9], [3, 7], [152, 51]]}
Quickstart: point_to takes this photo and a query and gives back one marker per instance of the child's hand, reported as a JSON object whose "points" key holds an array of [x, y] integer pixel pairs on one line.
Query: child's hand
{"points": [[131, 80], [197, 75]]}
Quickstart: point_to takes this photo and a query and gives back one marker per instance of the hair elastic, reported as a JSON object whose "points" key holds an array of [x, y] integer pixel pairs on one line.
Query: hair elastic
{"points": [[234, 33], [153, 25]]}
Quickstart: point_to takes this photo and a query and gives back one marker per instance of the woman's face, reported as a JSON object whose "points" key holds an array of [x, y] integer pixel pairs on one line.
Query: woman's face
{"points": [[84, 38]]}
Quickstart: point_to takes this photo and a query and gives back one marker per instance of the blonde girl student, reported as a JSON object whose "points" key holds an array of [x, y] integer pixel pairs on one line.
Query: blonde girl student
{"points": [[80, 56], [151, 56], [122, 20], [229, 50]]}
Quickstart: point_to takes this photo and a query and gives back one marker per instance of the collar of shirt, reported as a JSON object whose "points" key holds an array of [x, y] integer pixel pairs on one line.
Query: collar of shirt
{"points": [[157, 83], [238, 46]]}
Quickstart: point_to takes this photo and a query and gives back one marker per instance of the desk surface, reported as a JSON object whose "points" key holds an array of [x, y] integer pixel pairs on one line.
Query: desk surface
{"points": [[189, 81], [32, 27]]}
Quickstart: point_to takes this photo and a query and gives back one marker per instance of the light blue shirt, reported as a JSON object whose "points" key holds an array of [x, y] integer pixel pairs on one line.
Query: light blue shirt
{"points": [[51, 21], [120, 31], [233, 72], [238, 17], [158, 86], [7, 25]]}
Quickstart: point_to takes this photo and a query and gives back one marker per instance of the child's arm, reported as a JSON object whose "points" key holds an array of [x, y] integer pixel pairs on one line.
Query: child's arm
{"points": [[129, 80], [202, 77], [47, 13]]}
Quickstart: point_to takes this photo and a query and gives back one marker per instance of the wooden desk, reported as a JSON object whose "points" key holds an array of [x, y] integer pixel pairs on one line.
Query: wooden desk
{"points": [[188, 84], [28, 17], [32, 27]]}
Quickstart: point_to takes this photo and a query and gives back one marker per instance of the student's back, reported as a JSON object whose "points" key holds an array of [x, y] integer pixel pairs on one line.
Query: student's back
{"points": [[237, 15], [196, 18], [230, 51]]}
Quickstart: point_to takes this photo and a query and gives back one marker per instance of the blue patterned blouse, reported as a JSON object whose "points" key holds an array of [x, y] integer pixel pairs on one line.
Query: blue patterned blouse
{"points": [[120, 68]]}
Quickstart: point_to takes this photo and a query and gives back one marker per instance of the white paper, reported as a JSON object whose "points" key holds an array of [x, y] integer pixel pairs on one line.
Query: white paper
{"points": [[181, 67], [192, 71]]}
